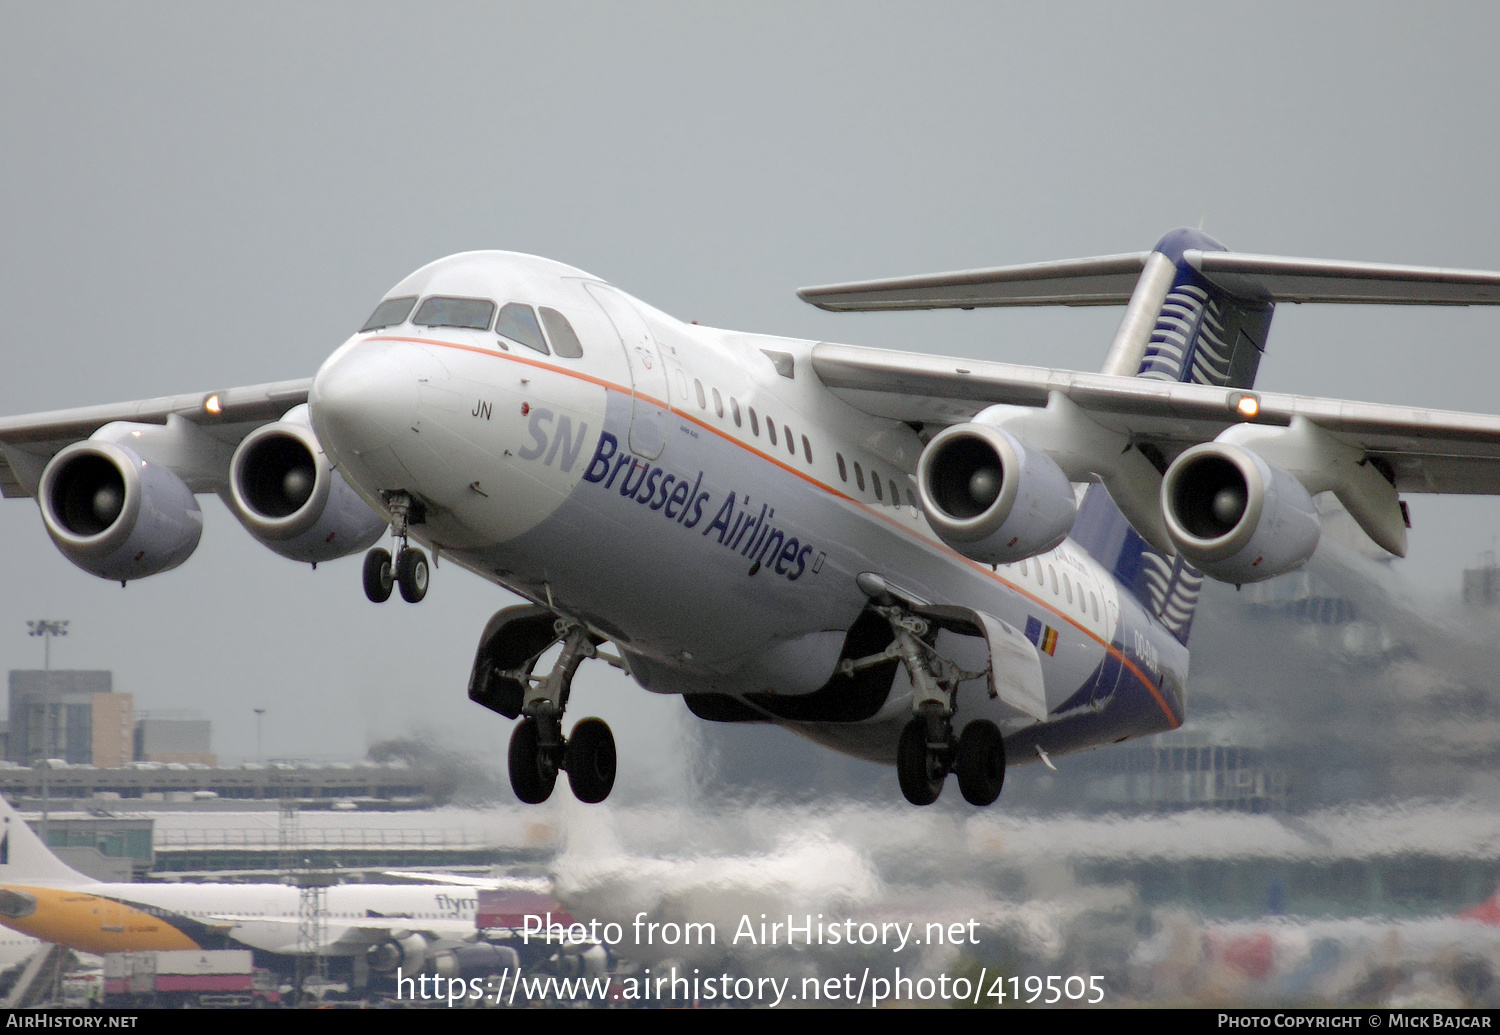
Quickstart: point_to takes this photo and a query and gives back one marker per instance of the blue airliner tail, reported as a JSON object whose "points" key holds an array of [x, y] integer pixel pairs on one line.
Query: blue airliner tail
{"points": [[1201, 335]]}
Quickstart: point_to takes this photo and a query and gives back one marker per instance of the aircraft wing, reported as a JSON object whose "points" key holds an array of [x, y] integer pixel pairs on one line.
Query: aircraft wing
{"points": [[1431, 451], [227, 415], [536, 885], [345, 937]]}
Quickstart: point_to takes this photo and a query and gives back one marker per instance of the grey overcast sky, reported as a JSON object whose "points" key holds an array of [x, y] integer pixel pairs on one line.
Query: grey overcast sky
{"points": [[200, 195]]}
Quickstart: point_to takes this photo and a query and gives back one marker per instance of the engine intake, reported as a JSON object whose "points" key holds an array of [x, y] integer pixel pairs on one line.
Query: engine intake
{"points": [[116, 516], [990, 497], [287, 495], [1235, 516]]}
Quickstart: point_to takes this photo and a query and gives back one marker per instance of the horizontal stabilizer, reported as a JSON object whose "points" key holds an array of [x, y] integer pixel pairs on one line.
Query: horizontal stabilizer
{"points": [[1278, 279], [1105, 280], [1109, 280]]}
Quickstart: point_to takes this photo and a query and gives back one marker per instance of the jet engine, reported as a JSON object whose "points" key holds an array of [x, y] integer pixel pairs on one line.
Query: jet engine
{"points": [[288, 496], [1236, 517], [116, 516], [990, 497], [404, 949]]}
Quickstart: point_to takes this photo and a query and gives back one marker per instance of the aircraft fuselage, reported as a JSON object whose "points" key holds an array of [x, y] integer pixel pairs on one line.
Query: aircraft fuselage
{"points": [[699, 497]]}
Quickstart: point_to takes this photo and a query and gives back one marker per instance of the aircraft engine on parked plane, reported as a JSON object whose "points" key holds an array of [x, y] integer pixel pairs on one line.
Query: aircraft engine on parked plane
{"points": [[115, 515], [289, 497], [1236, 517], [409, 951], [992, 498]]}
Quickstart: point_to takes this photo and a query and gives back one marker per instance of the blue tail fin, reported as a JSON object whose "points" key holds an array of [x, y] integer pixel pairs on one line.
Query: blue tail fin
{"points": [[1201, 335]]}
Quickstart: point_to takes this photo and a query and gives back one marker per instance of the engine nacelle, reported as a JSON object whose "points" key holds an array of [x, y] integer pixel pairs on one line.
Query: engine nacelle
{"points": [[288, 496], [116, 516], [990, 497], [1236, 517], [404, 949]]}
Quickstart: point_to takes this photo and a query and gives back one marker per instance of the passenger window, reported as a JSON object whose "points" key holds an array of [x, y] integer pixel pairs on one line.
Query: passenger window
{"points": [[1067, 587], [875, 481], [791, 446], [718, 403], [895, 495], [1041, 580], [807, 449], [859, 476], [771, 430], [565, 342], [1052, 573], [389, 313], [734, 408], [754, 423], [1094, 604], [518, 323], [702, 399], [911, 499], [843, 471], [472, 313]]}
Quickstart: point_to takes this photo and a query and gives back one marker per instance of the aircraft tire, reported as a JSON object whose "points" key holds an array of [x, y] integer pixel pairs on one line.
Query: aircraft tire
{"points": [[531, 775], [412, 574], [590, 760], [981, 763], [378, 577], [914, 766]]}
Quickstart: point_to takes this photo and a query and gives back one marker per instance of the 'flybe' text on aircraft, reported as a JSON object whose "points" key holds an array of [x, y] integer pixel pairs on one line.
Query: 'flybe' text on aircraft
{"points": [[942, 564]]}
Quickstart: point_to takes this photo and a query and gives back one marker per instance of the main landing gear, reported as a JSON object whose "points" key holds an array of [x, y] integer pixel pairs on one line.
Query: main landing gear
{"points": [[928, 749], [503, 681], [409, 570]]}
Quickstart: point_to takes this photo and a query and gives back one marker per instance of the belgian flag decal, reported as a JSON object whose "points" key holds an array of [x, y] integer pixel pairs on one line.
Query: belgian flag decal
{"points": [[1044, 636]]}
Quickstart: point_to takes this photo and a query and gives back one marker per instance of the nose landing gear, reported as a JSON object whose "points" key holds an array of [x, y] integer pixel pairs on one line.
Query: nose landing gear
{"points": [[409, 571]]}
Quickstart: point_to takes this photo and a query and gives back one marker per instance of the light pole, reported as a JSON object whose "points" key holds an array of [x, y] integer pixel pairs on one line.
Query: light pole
{"points": [[260, 755], [47, 628]]}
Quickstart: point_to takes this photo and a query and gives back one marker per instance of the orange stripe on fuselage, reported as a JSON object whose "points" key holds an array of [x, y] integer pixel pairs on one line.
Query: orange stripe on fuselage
{"points": [[86, 922], [869, 511]]}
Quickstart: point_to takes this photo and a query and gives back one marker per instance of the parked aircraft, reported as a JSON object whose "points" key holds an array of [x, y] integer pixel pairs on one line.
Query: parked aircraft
{"points": [[370, 929], [945, 564]]}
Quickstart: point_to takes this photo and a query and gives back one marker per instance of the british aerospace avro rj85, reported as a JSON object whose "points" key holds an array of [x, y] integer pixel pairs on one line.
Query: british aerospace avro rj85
{"points": [[937, 563]]}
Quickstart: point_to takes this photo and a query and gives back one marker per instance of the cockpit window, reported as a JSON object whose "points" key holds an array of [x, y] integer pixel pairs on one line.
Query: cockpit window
{"points": [[518, 323], [389, 313], [564, 342], [473, 313]]}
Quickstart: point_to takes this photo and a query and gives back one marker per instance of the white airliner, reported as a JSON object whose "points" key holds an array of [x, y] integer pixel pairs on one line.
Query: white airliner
{"points": [[370, 929], [943, 564]]}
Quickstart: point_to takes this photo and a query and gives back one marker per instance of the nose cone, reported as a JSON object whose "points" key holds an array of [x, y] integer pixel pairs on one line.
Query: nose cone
{"points": [[365, 394]]}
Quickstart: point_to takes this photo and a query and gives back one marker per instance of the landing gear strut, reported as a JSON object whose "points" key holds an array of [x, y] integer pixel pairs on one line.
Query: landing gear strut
{"points": [[409, 570], [538, 750], [928, 749]]}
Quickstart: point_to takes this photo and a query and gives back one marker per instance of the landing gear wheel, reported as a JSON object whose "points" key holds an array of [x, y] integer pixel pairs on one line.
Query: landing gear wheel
{"points": [[411, 574], [378, 577], [921, 780], [532, 773], [981, 762], [590, 760]]}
